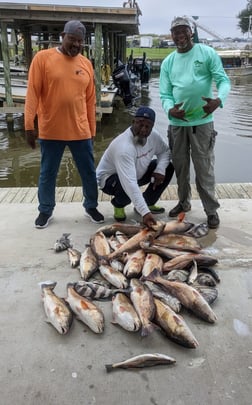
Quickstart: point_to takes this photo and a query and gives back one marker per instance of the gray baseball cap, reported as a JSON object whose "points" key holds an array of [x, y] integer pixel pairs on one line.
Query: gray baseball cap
{"points": [[75, 27], [180, 21]]}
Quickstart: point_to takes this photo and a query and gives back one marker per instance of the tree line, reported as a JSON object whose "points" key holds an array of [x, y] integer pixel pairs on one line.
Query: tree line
{"points": [[245, 18]]}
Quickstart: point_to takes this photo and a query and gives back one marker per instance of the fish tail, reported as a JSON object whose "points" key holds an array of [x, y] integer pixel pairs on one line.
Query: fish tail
{"points": [[147, 329], [109, 367], [47, 284]]}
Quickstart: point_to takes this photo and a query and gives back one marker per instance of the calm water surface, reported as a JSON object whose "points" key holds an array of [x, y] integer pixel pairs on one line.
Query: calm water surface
{"points": [[19, 165]]}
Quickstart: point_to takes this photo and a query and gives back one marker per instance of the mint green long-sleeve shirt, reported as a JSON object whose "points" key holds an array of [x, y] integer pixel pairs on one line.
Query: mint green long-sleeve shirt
{"points": [[187, 77]]}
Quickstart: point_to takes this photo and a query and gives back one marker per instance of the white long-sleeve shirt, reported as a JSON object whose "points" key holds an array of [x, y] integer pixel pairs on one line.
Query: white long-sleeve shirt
{"points": [[130, 162]]}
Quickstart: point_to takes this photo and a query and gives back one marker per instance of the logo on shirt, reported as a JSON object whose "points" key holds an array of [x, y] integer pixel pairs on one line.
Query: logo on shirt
{"points": [[197, 63]]}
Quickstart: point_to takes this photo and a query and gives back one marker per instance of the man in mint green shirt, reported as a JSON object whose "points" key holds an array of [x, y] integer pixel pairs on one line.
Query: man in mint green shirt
{"points": [[186, 83]]}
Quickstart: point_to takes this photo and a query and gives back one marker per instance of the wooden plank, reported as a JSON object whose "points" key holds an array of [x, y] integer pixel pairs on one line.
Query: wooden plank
{"points": [[221, 191], [230, 191], [74, 194], [10, 195], [59, 194], [20, 195], [103, 196], [3, 192], [69, 193], [195, 194], [247, 187], [240, 192], [31, 195], [173, 192], [11, 110], [78, 195]]}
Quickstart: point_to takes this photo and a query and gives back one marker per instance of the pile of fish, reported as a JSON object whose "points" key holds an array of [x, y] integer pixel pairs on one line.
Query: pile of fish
{"points": [[150, 276]]}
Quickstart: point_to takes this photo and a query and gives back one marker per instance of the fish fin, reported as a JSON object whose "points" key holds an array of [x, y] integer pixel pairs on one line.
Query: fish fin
{"points": [[109, 367], [181, 216]]}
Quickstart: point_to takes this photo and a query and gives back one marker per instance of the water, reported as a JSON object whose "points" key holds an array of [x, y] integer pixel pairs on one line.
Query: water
{"points": [[19, 165]]}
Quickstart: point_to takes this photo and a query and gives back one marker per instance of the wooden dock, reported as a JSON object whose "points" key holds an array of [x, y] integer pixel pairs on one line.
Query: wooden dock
{"points": [[74, 194]]}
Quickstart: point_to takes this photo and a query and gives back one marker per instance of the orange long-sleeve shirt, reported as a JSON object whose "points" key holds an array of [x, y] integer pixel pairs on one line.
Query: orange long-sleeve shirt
{"points": [[61, 91]]}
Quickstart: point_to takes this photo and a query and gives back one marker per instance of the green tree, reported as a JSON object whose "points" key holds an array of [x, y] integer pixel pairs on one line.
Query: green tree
{"points": [[245, 17]]}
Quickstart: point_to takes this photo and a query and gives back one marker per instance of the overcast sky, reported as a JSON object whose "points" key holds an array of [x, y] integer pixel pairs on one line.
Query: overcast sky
{"points": [[220, 16]]}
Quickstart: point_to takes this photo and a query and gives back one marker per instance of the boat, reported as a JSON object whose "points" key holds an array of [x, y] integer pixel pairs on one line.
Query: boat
{"points": [[19, 88], [236, 62]]}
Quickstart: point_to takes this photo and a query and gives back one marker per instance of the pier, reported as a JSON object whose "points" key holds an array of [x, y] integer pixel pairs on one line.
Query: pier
{"points": [[74, 194]]}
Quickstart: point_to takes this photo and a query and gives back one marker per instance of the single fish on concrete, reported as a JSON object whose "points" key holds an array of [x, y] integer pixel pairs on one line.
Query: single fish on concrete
{"points": [[88, 263], [143, 302], [56, 309], [142, 360], [74, 256], [63, 243], [96, 291], [174, 325], [189, 297], [124, 313], [85, 310]]}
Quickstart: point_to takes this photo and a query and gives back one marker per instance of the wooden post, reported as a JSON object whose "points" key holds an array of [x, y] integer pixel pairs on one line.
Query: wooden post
{"points": [[111, 51], [27, 48], [6, 64], [98, 61]]}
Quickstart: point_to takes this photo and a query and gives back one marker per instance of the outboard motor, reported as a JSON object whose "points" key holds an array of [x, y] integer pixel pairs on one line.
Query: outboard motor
{"points": [[121, 80]]}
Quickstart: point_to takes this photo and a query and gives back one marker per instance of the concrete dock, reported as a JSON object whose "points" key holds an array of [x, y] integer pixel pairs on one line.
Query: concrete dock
{"points": [[39, 366]]}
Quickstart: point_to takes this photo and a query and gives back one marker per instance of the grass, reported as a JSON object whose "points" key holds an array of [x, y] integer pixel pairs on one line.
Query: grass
{"points": [[151, 53]]}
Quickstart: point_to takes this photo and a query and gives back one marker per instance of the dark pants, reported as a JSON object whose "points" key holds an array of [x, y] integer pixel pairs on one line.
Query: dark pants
{"points": [[51, 155], [121, 199]]}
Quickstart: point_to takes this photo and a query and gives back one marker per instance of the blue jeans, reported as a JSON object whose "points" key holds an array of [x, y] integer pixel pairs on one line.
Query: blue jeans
{"points": [[51, 155], [121, 199]]}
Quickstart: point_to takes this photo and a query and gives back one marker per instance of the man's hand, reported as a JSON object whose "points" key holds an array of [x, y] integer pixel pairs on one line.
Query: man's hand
{"points": [[177, 113], [157, 179], [31, 136], [149, 220], [211, 105]]}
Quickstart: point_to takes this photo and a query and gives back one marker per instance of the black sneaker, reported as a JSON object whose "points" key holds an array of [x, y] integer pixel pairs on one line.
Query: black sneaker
{"points": [[213, 221], [95, 215], [42, 221], [178, 209]]}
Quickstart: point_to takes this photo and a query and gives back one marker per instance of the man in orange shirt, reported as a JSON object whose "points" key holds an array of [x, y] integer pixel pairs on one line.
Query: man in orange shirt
{"points": [[61, 93]]}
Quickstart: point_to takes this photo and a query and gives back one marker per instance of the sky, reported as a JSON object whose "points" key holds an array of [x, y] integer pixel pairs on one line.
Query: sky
{"points": [[218, 16]]}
